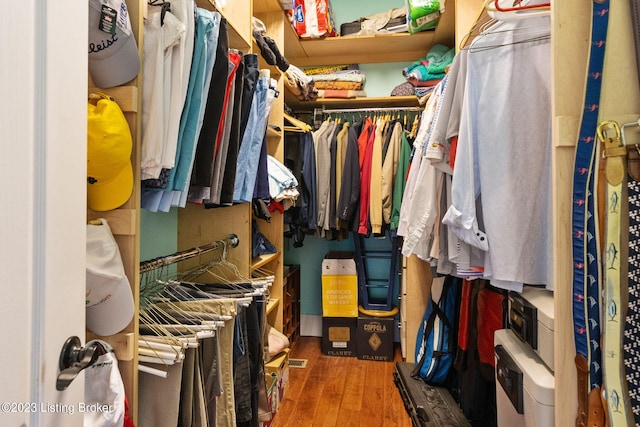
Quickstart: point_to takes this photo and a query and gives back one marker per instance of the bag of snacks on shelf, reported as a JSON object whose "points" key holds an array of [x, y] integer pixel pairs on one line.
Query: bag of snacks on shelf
{"points": [[423, 14], [312, 19]]}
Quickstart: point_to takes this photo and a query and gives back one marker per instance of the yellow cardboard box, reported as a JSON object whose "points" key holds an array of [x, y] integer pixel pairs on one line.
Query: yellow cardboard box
{"points": [[339, 285], [279, 367]]}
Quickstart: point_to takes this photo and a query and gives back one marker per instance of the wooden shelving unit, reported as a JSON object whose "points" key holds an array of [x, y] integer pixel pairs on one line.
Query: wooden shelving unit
{"points": [[273, 133], [263, 260], [265, 6], [238, 25], [274, 19], [399, 47], [124, 221], [272, 305]]}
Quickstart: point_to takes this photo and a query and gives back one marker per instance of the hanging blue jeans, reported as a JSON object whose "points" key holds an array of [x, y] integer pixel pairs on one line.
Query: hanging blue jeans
{"points": [[249, 153]]}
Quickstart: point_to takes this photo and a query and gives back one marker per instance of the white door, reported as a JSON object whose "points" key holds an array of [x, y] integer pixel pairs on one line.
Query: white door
{"points": [[43, 81]]}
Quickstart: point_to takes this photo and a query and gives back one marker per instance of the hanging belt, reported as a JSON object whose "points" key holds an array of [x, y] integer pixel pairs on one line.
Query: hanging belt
{"points": [[585, 252], [614, 374], [635, 21], [632, 324]]}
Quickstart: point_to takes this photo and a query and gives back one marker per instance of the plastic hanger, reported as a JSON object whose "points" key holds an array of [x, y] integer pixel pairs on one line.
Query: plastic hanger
{"points": [[519, 6], [165, 7], [497, 10]]}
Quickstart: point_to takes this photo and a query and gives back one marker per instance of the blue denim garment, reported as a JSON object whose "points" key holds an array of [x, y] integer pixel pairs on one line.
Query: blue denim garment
{"points": [[191, 122], [261, 187], [249, 153], [250, 76]]}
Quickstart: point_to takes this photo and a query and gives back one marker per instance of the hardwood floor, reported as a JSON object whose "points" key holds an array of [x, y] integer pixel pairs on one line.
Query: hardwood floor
{"points": [[340, 391]]}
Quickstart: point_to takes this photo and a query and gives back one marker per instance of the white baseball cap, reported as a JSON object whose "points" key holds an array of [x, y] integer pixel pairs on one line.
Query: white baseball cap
{"points": [[113, 53], [103, 388], [109, 300]]}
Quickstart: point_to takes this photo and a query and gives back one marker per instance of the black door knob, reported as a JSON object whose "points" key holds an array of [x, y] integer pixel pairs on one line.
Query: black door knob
{"points": [[73, 359]]}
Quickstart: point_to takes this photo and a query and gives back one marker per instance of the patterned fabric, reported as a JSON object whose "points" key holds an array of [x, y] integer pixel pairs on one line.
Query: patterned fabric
{"points": [[585, 254], [632, 326]]}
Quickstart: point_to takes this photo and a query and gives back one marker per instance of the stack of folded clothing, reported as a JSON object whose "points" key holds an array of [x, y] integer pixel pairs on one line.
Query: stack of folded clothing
{"points": [[340, 84], [299, 84], [428, 71], [423, 75]]}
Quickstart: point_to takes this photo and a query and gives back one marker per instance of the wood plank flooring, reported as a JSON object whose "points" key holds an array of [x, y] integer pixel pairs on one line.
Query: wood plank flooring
{"points": [[340, 391]]}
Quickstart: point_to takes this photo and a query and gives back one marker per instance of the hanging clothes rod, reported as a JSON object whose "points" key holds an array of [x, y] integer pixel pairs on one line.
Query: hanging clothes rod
{"points": [[231, 241], [365, 110]]}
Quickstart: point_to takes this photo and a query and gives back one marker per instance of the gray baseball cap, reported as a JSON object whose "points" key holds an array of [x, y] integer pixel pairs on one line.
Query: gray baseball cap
{"points": [[113, 53]]}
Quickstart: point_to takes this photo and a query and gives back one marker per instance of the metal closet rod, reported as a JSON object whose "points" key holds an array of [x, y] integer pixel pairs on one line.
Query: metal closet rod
{"points": [[232, 241], [366, 110]]}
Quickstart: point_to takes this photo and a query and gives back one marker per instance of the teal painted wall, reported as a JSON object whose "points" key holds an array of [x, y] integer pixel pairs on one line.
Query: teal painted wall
{"points": [[158, 233], [350, 10], [381, 78], [310, 257]]}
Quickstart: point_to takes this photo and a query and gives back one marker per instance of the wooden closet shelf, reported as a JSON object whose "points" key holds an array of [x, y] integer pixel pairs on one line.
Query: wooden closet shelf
{"points": [[125, 96], [239, 38], [273, 132], [272, 305], [398, 47], [122, 221], [262, 260], [123, 344], [264, 6]]}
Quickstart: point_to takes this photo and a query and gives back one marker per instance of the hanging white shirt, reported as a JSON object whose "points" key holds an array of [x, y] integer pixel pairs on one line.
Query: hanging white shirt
{"points": [[504, 152], [159, 40]]}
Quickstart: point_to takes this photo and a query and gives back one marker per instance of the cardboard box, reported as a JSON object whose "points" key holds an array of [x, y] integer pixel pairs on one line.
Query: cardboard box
{"points": [[279, 367], [339, 336], [272, 397], [375, 337], [339, 285]]}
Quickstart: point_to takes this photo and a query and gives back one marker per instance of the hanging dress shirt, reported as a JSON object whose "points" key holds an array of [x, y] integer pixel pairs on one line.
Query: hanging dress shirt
{"points": [[504, 152]]}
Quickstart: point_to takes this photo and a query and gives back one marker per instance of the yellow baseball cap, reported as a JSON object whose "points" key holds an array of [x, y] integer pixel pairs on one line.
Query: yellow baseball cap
{"points": [[109, 145]]}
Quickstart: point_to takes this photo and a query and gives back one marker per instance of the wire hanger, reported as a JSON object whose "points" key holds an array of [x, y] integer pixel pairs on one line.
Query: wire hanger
{"points": [[166, 327]]}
